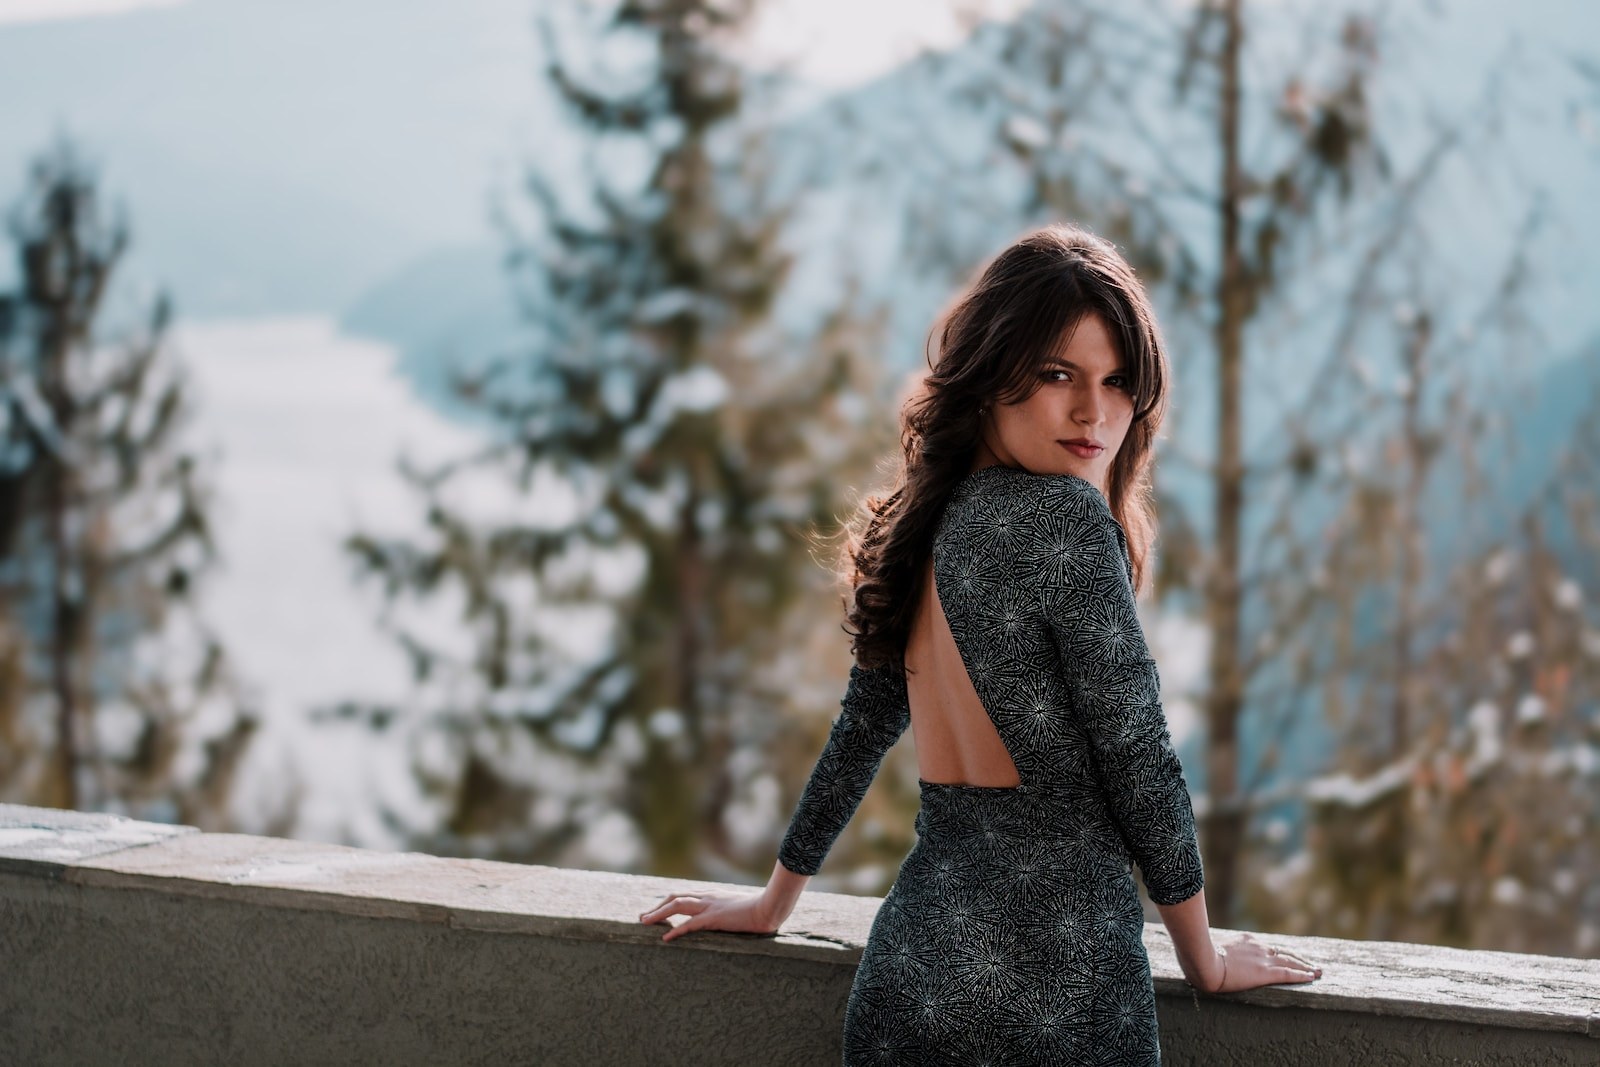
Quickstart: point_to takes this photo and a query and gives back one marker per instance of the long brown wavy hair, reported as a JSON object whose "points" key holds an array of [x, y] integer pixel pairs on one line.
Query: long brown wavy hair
{"points": [[993, 344]]}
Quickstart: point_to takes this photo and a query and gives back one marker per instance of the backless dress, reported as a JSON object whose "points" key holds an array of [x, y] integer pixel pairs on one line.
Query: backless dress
{"points": [[1013, 931]]}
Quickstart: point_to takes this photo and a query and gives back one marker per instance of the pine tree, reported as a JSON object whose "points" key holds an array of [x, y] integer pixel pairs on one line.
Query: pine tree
{"points": [[667, 456], [116, 696]]}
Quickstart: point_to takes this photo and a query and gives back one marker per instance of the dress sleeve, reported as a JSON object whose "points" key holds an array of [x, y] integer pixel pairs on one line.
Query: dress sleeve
{"points": [[1086, 594], [873, 714]]}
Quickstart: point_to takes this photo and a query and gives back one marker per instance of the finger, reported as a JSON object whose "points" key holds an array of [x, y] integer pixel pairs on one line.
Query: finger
{"points": [[658, 914], [682, 928], [669, 900], [659, 906]]}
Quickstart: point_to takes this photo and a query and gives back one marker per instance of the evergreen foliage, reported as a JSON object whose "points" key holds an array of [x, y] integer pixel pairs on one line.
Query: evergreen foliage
{"points": [[116, 695], [665, 456]]}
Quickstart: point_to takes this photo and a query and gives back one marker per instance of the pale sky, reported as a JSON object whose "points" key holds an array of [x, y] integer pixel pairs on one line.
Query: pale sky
{"points": [[14, 11], [844, 42], [836, 43]]}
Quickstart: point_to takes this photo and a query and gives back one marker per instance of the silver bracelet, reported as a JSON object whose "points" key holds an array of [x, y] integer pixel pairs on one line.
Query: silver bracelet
{"points": [[1224, 954]]}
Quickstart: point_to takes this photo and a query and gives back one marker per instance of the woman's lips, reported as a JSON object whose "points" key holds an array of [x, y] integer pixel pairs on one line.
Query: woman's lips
{"points": [[1083, 451]]}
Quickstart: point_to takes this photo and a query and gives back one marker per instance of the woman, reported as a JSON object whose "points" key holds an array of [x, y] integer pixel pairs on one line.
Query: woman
{"points": [[1001, 576]]}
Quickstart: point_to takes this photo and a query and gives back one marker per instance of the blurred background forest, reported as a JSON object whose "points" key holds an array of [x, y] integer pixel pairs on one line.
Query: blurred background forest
{"points": [[426, 425]]}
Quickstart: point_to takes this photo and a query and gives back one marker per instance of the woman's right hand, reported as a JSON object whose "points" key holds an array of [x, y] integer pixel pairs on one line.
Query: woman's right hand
{"points": [[1252, 964]]}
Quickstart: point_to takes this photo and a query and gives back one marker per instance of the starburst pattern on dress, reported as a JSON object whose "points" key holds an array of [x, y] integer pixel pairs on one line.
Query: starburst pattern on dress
{"points": [[1013, 931]]}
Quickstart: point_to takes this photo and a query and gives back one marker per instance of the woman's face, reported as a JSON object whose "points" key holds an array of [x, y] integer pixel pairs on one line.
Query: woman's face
{"points": [[1083, 395]]}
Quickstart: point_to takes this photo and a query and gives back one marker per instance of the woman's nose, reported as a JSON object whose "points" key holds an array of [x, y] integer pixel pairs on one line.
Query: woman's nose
{"points": [[1089, 410]]}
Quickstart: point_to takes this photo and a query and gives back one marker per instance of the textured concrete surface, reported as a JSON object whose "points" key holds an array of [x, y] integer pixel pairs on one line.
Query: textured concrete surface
{"points": [[44, 841], [130, 943]]}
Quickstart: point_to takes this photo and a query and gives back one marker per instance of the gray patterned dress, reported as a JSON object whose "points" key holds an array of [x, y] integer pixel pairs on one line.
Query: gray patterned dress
{"points": [[1013, 931]]}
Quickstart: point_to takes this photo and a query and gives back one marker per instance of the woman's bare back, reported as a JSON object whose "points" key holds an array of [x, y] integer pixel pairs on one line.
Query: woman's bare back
{"points": [[956, 741]]}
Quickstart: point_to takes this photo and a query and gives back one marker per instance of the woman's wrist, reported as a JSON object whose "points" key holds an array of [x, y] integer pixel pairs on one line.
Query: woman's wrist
{"points": [[773, 908], [1222, 978], [782, 892], [1211, 975]]}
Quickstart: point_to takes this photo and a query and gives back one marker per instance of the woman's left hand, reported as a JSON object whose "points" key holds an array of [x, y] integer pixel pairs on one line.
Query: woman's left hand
{"points": [[746, 914]]}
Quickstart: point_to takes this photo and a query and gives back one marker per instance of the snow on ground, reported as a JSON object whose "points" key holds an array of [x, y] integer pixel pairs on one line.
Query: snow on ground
{"points": [[302, 426]]}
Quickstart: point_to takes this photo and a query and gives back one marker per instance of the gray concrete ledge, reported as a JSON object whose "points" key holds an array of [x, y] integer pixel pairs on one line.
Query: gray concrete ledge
{"points": [[45, 841], [291, 951]]}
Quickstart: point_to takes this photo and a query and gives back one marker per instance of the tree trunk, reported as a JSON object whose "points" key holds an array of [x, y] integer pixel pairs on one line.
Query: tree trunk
{"points": [[1222, 827]]}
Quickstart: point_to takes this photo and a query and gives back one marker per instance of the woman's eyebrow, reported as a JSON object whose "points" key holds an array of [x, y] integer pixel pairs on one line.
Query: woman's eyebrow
{"points": [[1057, 361]]}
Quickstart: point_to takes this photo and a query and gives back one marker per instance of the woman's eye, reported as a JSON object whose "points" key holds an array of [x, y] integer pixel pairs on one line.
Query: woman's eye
{"points": [[1122, 383]]}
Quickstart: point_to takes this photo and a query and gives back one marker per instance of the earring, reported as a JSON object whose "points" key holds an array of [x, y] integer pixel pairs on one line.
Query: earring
{"points": [[983, 410]]}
